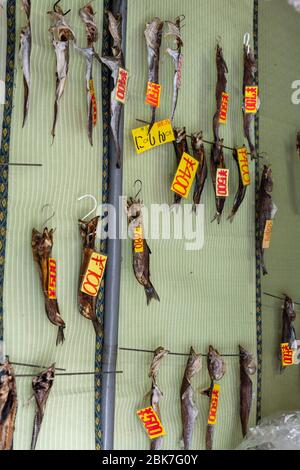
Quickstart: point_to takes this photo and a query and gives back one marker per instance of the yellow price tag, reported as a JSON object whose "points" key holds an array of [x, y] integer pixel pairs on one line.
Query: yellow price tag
{"points": [[244, 165], [138, 239], [94, 274], [251, 99], [185, 176], [214, 402], [161, 133], [151, 423], [267, 234], [287, 355], [224, 108]]}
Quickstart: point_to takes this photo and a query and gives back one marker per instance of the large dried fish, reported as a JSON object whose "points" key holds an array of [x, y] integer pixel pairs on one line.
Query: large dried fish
{"points": [[62, 34], [114, 63], [153, 35], [266, 208], [298, 143], [155, 394], [87, 303], [247, 368], [180, 146], [220, 89], [8, 405], [241, 192], [42, 385], [141, 260], [288, 334], [177, 56], [217, 162], [250, 68], [25, 53], [42, 244], [189, 411], [201, 175]]}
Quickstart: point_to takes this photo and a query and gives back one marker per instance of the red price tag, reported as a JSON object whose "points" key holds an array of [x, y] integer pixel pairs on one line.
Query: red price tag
{"points": [[153, 94], [214, 402], [224, 108], [151, 422], [251, 99], [93, 277], [222, 183], [51, 278], [122, 82]]}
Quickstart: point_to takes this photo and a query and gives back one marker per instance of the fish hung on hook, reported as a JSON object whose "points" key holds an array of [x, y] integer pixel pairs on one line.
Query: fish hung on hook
{"points": [[180, 146], [288, 333], [242, 188], [8, 405], [202, 171], [249, 87], [175, 31], [247, 368], [217, 165], [221, 95], [25, 54]]}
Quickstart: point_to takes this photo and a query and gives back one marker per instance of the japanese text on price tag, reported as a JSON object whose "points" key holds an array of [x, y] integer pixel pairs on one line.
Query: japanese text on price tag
{"points": [[161, 133], [214, 402], [138, 239], [93, 277], [267, 234], [153, 94], [251, 99], [94, 101], [287, 355], [151, 422], [122, 81], [51, 278], [224, 108], [244, 165], [222, 182], [185, 175]]}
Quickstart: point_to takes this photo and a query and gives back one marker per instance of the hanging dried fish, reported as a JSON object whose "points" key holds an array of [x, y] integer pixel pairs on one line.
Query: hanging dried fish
{"points": [[216, 369], [222, 70], [217, 162], [140, 249], [8, 405], [62, 34], [181, 147], [42, 385], [247, 368], [266, 208], [155, 393], [25, 53], [177, 56], [250, 68], [298, 143], [42, 244], [189, 411], [87, 303], [114, 63], [201, 175], [153, 35], [241, 192], [288, 333]]}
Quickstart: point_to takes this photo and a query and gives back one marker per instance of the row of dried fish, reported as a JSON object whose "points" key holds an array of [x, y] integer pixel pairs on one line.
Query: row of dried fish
{"points": [[41, 386], [189, 412]]}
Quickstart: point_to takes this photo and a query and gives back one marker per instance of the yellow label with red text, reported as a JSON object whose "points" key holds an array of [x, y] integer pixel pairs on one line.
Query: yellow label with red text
{"points": [[185, 175], [214, 402], [151, 423], [94, 101], [138, 239], [224, 108], [161, 133], [94, 274], [251, 99], [244, 165], [222, 182], [51, 278], [267, 234], [287, 355], [121, 90], [153, 94]]}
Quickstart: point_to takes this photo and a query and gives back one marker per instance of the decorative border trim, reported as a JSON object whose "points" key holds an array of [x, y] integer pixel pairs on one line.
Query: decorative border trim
{"points": [[5, 142], [257, 235]]}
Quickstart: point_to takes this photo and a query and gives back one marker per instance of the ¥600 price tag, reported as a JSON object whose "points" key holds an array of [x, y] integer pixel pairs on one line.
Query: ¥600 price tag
{"points": [[161, 133], [151, 422], [94, 275], [287, 355], [214, 402], [185, 176]]}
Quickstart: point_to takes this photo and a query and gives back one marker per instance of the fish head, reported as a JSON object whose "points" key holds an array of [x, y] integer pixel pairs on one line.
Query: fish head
{"points": [[194, 364], [221, 64], [134, 209], [174, 31], [42, 384], [180, 134], [42, 243], [87, 9], [153, 33], [289, 308], [247, 361], [197, 141], [6, 382], [267, 179], [88, 231], [216, 365], [159, 354]]}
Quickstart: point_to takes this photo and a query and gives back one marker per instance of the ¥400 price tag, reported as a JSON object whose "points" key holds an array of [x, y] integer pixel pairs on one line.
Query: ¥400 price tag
{"points": [[161, 133], [185, 176], [151, 422], [94, 274]]}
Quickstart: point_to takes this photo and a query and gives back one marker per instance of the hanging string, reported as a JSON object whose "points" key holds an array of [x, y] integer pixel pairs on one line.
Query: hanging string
{"points": [[72, 374], [172, 353], [279, 298]]}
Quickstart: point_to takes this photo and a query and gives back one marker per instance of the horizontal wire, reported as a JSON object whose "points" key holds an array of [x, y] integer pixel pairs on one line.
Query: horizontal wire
{"points": [[33, 366], [22, 164], [71, 374], [172, 353], [277, 297]]}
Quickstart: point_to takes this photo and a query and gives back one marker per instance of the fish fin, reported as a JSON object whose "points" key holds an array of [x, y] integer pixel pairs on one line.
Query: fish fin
{"points": [[217, 217], [27, 403], [181, 444], [151, 293], [206, 391], [231, 216], [60, 335], [150, 252], [97, 327]]}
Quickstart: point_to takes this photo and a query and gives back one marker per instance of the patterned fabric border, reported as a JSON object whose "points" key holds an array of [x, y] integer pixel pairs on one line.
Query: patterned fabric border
{"points": [[258, 261], [5, 141], [105, 181]]}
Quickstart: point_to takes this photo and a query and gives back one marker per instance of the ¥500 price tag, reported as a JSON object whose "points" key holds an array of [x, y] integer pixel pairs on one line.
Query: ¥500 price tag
{"points": [[222, 182], [151, 422], [161, 133], [251, 99], [94, 275], [287, 355], [121, 90], [214, 402], [185, 175]]}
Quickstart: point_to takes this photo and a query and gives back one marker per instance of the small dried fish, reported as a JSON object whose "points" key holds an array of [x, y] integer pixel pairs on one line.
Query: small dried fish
{"points": [[222, 70], [153, 35], [266, 207], [247, 368], [42, 244], [156, 394], [181, 147], [62, 34], [8, 405], [298, 143], [288, 334], [141, 260], [189, 411], [114, 63], [201, 175], [241, 192], [25, 53], [216, 369], [217, 162], [250, 68], [87, 303], [177, 56], [42, 385]]}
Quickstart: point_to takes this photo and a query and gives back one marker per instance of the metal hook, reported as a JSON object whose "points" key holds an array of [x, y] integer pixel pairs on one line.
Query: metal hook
{"points": [[90, 196], [138, 181], [55, 9], [247, 41], [52, 216]]}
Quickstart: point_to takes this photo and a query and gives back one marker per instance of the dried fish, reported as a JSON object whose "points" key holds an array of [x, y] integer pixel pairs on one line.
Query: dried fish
{"points": [[217, 162], [222, 70], [8, 405], [42, 385], [42, 244], [298, 143], [25, 53], [62, 34], [141, 257], [177, 56], [266, 208], [201, 175], [250, 68], [189, 411], [156, 394], [241, 192], [181, 147], [247, 368], [153, 35], [288, 334], [87, 303]]}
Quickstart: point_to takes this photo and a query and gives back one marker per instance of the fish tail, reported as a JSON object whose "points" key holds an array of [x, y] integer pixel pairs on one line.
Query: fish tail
{"points": [[151, 293], [231, 216], [60, 335], [152, 119], [36, 430], [263, 266], [209, 437], [97, 327], [55, 119], [217, 217], [26, 102]]}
